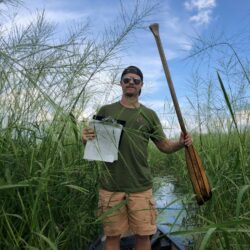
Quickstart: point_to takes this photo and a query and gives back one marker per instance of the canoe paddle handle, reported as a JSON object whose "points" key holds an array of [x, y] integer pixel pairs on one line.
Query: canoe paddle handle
{"points": [[155, 30]]}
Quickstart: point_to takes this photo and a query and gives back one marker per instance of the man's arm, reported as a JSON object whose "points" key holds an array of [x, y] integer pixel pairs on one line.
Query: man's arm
{"points": [[169, 146]]}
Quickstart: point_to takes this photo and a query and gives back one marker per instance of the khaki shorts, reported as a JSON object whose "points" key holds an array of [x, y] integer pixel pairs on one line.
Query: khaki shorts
{"points": [[122, 212]]}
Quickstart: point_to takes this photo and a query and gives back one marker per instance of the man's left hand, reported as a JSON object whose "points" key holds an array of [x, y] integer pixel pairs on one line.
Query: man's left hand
{"points": [[185, 140]]}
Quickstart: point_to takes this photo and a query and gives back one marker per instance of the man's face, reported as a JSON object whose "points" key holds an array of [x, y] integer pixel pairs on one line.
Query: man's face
{"points": [[131, 85]]}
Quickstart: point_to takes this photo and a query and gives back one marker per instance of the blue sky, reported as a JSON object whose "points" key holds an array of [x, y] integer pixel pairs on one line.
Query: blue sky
{"points": [[180, 21]]}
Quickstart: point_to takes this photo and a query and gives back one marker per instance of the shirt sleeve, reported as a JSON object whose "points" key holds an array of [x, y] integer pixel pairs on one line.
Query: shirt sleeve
{"points": [[157, 133]]}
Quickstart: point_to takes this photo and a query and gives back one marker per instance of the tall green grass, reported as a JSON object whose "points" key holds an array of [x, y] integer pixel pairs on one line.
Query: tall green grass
{"points": [[223, 222], [48, 193]]}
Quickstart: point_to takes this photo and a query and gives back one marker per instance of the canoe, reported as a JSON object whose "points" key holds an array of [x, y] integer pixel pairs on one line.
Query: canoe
{"points": [[159, 241]]}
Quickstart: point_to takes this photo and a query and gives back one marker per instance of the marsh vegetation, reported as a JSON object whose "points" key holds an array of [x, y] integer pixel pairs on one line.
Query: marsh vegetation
{"points": [[48, 193]]}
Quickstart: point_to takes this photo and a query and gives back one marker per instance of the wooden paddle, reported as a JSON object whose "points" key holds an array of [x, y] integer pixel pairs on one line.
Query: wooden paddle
{"points": [[195, 168]]}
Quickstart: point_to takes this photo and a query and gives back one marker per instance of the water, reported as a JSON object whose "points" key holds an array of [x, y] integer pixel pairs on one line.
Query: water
{"points": [[172, 212]]}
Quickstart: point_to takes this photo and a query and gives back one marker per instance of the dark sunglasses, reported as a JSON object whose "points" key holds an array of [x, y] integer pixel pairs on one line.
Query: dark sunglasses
{"points": [[127, 80]]}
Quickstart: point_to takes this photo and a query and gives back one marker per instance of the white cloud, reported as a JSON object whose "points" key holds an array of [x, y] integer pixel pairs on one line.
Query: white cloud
{"points": [[203, 10], [200, 4], [202, 17], [243, 118], [177, 38]]}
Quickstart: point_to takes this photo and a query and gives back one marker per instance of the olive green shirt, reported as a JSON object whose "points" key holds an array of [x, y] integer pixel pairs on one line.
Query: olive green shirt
{"points": [[131, 172]]}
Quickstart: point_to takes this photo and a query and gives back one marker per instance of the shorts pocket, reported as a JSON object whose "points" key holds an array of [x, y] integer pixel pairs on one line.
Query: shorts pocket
{"points": [[153, 211]]}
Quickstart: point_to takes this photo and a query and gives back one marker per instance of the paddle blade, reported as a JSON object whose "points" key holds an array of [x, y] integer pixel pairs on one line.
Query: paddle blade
{"points": [[197, 175]]}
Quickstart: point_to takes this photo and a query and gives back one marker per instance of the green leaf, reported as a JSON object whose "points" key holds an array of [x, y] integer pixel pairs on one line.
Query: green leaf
{"points": [[206, 238], [239, 199], [46, 239], [227, 101], [111, 210], [13, 186], [83, 190]]}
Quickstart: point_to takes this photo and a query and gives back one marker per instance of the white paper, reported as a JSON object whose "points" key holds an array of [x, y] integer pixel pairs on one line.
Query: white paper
{"points": [[105, 145]]}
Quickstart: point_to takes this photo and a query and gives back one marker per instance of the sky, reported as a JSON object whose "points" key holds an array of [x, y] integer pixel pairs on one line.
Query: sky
{"points": [[181, 21]]}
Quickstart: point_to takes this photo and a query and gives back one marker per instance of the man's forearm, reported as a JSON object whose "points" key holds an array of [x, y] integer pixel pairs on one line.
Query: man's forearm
{"points": [[174, 146], [168, 146]]}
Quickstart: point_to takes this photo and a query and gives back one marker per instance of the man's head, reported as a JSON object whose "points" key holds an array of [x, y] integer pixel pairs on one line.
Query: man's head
{"points": [[134, 70], [131, 81]]}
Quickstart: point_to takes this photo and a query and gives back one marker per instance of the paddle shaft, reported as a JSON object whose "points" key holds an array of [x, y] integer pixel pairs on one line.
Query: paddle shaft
{"points": [[155, 30]]}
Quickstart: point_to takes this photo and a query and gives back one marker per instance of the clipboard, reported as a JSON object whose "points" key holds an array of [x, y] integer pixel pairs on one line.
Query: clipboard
{"points": [[105, 146]]}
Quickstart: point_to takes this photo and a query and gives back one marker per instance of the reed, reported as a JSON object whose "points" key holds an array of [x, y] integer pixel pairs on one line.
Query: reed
{"points": [[222, 223], [48, 193]]}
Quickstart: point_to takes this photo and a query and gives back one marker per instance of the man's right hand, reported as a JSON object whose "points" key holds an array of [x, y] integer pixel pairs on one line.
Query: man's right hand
{"points": [[88, 134]]}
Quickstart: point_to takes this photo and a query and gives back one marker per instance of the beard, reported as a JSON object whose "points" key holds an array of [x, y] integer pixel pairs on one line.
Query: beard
{"points": [[131, 94], [135, 94]]}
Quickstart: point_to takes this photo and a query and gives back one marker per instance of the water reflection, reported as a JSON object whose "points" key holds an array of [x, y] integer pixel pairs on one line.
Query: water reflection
{"points": [[171, 210]]}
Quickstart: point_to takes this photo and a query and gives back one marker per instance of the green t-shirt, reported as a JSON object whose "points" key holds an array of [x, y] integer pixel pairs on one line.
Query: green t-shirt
{"points": [[131, 173]]}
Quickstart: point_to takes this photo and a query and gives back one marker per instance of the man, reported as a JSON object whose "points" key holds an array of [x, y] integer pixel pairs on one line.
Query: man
{"points": [[128, 184]]}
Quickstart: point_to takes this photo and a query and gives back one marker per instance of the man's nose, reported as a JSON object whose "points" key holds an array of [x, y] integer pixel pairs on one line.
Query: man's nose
{"points": [[131, 80]]}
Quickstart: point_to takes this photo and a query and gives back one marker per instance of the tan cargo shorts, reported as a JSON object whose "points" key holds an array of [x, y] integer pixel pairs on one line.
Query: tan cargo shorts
{"points": [[122, 212]]}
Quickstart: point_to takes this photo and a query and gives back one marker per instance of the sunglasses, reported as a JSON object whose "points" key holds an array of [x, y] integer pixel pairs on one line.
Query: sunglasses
{"points": [[127, 80]]}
